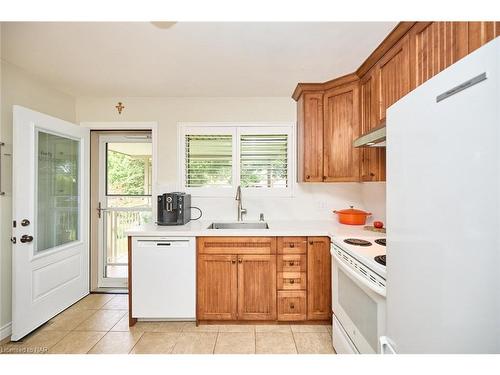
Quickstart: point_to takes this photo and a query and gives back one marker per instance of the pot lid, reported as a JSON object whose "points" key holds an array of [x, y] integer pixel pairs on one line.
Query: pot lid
{"points": [[352, 211]]}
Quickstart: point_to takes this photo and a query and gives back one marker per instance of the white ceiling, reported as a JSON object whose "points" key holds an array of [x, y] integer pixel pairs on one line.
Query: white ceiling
{"points": [[189, 59]]}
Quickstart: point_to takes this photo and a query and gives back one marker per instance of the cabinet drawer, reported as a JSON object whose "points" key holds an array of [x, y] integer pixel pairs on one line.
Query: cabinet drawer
{"points": [[292, 263], [292, 280], [236, 245], [292, 245], [291, 305]]}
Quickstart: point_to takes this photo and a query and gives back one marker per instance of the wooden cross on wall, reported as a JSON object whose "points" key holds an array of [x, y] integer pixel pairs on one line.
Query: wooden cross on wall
{"points": [[120, 107]]}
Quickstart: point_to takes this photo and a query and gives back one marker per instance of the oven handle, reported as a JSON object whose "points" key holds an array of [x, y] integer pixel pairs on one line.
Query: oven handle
{"points": [[376, 289]]}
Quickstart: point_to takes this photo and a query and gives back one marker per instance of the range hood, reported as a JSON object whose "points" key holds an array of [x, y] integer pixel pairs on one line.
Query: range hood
{"points": [[374, 138]]}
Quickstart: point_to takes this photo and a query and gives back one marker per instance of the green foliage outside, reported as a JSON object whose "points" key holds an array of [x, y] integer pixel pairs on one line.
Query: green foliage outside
{"points": [[126, 174]]}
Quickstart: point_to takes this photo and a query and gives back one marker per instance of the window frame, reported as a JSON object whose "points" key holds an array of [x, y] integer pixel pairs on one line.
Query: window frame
{"points": [[236, 130]]}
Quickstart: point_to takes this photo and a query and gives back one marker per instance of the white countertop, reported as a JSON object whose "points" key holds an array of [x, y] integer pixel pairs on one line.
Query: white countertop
{"points": [[276, 228], [337, 232]]}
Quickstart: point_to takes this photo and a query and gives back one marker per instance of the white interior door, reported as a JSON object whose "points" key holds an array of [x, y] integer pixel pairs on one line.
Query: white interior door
{"points": [[50, 256]]}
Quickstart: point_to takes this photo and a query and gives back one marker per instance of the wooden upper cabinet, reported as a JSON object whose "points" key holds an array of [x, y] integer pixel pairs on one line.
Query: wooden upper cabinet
{"points": [[310, 137], [341, 128], [256, 287], [217, 287], [319, 296], [434, 46], [480, 33], [371, 166], [393, 76]]}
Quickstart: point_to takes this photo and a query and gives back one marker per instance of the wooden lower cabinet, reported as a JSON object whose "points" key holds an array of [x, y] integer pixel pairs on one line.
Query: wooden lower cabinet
{"points": [[319, 300], [257, 287], [217, 287], [291, 286], [292, 305]]}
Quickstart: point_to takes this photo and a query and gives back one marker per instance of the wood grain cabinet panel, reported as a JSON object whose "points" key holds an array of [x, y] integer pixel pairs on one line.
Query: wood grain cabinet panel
{"points": [[341, 128], [292, 245], [292, 305], [319, 300], [393, 78], [292, 281], [372, 167], [480, 33], [292, 263], [434, 46], [236, 245], [217, 287], [310, 137], [257, 287]]}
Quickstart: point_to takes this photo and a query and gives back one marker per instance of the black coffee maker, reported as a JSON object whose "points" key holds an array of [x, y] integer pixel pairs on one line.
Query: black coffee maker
{"points": [[174, 208]]}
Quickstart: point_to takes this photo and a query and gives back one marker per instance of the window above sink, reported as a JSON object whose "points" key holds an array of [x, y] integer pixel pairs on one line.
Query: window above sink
{"points": [[215, 158]]}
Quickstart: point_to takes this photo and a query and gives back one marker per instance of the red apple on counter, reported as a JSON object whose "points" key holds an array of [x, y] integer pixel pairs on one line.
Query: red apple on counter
{"points": [[378, 224]]}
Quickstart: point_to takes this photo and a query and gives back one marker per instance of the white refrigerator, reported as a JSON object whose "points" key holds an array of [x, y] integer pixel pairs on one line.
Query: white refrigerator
{"points": [[443, 212]]}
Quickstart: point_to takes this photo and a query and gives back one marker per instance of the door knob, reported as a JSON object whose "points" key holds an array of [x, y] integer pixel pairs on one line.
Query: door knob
{"points": [[25, 238], [25, 222]]}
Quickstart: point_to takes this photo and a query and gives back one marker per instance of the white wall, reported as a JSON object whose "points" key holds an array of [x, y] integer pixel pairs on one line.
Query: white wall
{"points": [[310, 201], [19, 87]]}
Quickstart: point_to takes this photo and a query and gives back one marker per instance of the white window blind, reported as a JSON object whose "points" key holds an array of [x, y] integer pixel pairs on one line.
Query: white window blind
{"points": [[208, 160], [264, 160]]}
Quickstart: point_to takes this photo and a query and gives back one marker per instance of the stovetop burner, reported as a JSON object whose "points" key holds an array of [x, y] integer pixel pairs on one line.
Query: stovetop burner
{"points": [[357, 242], [380, 241], [380, 259]]}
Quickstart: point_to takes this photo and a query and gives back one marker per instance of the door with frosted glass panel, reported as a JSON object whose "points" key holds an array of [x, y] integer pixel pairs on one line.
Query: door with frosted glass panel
{"points": [[125, 186], [50, 252]]}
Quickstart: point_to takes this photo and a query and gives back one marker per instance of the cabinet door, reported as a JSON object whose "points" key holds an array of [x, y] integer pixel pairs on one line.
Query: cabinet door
{"points": [[481, 33], [393, 78], [310, 137], [341, 128], [257, 287], [319, 298], [217, 287], [434, 46], [371, 167]]}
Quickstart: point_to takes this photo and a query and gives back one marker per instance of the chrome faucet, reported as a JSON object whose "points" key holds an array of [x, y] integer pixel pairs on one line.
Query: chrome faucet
{"points": [[241, 210]]}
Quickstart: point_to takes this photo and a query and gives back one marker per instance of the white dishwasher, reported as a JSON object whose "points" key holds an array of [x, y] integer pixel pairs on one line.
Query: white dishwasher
{"points": [[164, 278]]}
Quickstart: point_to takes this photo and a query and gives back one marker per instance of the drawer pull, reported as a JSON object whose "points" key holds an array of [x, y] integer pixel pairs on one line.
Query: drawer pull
{"points": [[292, 281], [233, 261], [292, 306], [291, 264], [240, 261]]}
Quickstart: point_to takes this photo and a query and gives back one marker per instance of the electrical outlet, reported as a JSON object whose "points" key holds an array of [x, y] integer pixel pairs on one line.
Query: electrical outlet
{"points": [[321, 205]]}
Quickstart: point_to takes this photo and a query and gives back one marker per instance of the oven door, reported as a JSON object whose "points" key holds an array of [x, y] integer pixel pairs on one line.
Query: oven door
{"points": [[358, 306]]}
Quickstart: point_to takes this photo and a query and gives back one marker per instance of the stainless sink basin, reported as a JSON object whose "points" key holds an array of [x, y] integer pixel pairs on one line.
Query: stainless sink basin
{"points": [[260, 225]]}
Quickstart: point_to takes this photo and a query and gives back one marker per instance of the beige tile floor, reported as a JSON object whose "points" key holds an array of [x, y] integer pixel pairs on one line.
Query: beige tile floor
{"points": [[98, 324]]}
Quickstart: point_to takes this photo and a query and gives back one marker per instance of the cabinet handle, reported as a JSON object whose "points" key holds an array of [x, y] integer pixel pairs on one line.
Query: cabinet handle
{"points": [[292, 281], [291, 263], [372, 174], [233, 261], [308, 177], [292, 306], [240, 261], [292, 245], [311, 243]]}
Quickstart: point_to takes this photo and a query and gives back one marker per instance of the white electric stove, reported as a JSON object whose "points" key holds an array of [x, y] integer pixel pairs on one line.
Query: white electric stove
{"points": [[358, 293]]}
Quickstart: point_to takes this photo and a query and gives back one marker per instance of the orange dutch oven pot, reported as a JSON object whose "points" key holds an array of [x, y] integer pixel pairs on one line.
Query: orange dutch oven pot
{"points": [[352, 216]]}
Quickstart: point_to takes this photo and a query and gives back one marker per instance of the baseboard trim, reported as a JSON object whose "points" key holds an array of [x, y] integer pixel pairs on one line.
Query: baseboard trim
{"points": [[5, 331]]}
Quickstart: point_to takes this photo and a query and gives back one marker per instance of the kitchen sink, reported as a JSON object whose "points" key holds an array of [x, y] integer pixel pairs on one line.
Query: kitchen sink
{"points": [[259, 225]]}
